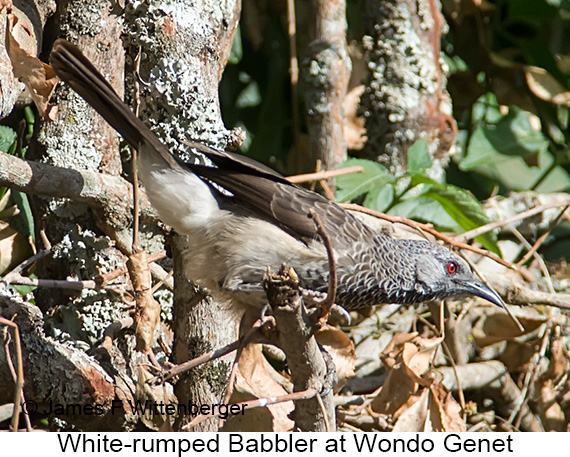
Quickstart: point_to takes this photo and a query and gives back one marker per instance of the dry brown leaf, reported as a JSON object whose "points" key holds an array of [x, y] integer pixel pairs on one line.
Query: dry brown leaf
{"points": [[256, 379], [341, 349], [518, 355], [147, 312], [14, 247], [392, 351], [154, 394], [548, 404], [407, 357], [550, 412], [559, 363], [395, 392], [434, 409], [413, 418], [496, 326], [417, 356], [448, 413], [39, 78]]}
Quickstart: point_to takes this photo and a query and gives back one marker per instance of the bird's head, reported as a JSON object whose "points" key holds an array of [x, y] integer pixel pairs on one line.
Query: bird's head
{"points": [[441, 274]]}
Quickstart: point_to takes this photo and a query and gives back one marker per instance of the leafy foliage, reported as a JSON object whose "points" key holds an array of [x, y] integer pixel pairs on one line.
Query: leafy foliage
{"points": [[415, 196]]}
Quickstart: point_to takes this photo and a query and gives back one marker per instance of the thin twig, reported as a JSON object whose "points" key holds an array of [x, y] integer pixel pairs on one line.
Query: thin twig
{"points": [[324, 412], [159, 284], [322, 175], [261, 322], [134, 160], [531, 375], [541, 238], [327, 189], [57, 283], [259, 403], [331, 292], [208, 356], [183, 367], [542, 265], [107, 277], [19, 372], [16, 271], [429, 229], [494, 225]]}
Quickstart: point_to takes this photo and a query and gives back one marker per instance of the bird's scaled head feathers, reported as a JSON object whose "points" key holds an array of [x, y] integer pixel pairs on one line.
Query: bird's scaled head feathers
{"points": [[443, 274]]}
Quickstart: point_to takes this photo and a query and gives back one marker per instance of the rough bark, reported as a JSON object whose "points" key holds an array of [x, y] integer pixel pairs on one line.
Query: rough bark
{"points": [[405, 97], [55, 374], [185, 47], [295, 335], [326, 71]]}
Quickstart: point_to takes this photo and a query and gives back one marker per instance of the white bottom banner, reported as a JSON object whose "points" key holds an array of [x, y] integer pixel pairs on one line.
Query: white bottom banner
{"points": [[433, 444]]}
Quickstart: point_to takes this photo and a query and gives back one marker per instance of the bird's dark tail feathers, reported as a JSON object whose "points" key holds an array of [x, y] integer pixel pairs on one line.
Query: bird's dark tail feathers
{"points": [[76, 70]]}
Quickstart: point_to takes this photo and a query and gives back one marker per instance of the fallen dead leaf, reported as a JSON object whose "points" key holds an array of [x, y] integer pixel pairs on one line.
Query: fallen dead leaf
{"points": [[408, 357], [434, 409], [257, 379], [495, 326], [39, 78], [147, 311], [341, 349]]}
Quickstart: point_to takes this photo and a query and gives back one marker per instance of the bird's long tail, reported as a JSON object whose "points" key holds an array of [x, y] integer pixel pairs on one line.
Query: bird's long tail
{"points": [[76, 70], [182, 199]]}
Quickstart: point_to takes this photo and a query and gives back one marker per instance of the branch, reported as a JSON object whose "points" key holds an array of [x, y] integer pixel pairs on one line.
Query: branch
{"points": [[325, 75], [295, 328], [106, 193]]}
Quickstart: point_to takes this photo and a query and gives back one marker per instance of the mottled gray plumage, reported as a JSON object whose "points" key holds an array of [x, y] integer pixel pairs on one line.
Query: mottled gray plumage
{"points": [[234, 238]]}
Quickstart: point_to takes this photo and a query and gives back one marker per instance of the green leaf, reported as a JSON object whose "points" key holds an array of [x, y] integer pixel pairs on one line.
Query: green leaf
{"points": [[380, 198], [465, 210], [26, 217], [480, 151], [425, 209], [354, 185], [511, 136], [448, 208], [7, 138], [421, 179], [486, 110], [419, 159], [514, 135]]}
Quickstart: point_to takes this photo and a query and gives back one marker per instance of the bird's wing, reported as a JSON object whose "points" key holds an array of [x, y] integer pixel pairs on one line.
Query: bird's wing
{"points": [[285, 204], [261, 189]]}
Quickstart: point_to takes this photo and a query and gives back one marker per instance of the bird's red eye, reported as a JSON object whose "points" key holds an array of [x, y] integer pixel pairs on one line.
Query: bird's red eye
{"points": [[451, 268]]}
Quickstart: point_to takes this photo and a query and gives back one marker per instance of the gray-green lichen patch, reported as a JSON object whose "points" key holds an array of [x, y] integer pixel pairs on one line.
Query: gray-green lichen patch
{"points": [[68, 143], [83, 18], [174, 40], [88, 315]]}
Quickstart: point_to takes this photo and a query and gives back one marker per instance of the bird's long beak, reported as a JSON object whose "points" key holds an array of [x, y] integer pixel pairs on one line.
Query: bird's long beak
{"points": [[479, 289]]}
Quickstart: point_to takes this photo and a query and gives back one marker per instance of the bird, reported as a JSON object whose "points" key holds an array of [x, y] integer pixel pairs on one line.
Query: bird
{"points": [[242, 217]]}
